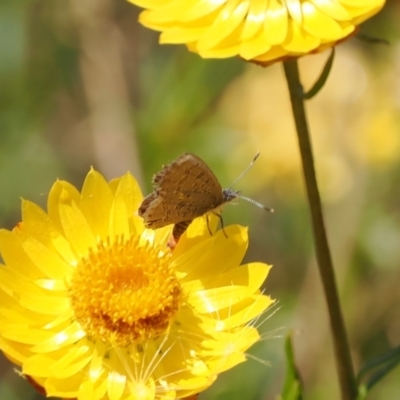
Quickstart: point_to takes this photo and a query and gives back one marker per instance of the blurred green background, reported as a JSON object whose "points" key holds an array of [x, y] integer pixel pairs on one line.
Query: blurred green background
{"points": [[83, 84]]}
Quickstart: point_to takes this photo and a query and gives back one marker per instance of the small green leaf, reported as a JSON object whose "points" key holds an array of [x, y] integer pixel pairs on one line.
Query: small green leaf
{"points": [[379, 367], [372, 40], [318, 85], [292, 388]]}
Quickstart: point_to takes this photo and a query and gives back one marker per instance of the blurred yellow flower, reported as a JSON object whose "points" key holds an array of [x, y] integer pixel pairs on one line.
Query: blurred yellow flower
{"points": [[95, 306], [260, 30]]}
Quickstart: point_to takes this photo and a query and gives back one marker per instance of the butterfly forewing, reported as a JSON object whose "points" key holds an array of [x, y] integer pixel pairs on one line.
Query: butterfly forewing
{"points": [[183, 190], [188, 175]]}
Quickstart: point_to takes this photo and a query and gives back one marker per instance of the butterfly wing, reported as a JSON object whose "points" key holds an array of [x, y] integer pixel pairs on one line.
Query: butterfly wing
{"points": [[183, 190]]}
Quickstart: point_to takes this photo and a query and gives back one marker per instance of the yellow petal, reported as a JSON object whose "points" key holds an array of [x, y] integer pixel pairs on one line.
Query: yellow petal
{"points": [[93, 389], [200, 228], [298, 41], [127, 199], [362, 4], [75, 226], [96, 212], [40, 364], [319, 24], [70, 335], [254, 19], [46, 303], [15, 257], [22, 333], [194, 9], [38, 224], [276, 23], [31, 296], [362, 14], [48, 262], [95, 386], [294, 9], [116, 385], [256, 46], [219, 52], [227, 350], [210, 300], [274, 53], [251, 276], [332, 9], [53, 200], [14, 313], [229, 289], [66, 387], [119, 220], [128, 190], [214, 255], [15, 352], [229, 18], [73, 361], [243, 312]]}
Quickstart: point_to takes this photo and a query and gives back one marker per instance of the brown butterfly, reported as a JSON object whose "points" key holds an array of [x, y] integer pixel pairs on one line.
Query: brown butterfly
{"points": [[184, 190]]}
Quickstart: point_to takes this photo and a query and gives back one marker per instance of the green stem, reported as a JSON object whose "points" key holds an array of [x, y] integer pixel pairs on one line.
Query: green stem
{"points": [[342, 350]]}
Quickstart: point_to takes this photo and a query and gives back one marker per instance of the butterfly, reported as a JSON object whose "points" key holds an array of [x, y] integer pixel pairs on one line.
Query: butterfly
{"points": [[184, 190]]}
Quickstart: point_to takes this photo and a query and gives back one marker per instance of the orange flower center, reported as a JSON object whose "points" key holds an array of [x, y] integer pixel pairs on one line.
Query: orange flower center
{"points": [[124, 292]]}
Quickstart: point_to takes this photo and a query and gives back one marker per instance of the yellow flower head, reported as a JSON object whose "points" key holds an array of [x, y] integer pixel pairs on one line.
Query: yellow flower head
{"points": [[94, 306], [259, 30]]}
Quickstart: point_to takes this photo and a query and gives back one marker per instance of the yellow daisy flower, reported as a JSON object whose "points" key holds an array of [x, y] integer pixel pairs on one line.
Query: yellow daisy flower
{"points": [[259, 30], [94, 306]]}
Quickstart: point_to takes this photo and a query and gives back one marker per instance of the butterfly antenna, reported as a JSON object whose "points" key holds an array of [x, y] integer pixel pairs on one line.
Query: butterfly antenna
{"points": [[256, 203], [239, 195], [244, 172]]}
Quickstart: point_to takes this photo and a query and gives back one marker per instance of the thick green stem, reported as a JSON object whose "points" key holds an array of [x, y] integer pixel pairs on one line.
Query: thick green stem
{"points": [[325, 265]]}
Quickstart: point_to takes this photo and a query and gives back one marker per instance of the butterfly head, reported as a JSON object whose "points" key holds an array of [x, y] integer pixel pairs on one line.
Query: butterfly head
{"points": [[230, 194]]}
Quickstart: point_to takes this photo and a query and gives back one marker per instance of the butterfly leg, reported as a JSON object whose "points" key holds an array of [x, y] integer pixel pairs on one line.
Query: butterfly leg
{"points": [[221, 222]]}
